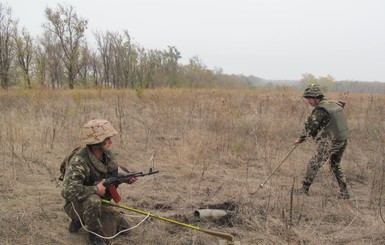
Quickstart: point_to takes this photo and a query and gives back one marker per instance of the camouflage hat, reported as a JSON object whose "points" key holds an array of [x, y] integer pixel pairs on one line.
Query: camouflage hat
{"points": [[96, 131], [313, 91]]}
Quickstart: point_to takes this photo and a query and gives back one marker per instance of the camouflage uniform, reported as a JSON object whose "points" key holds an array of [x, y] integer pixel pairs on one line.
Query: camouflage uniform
{"points": [[327, 126], [83, 170], [327, 149], [79, 187]]}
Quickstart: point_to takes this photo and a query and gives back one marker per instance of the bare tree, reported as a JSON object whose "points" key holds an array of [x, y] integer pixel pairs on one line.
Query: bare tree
{"points": [[24, 52], [52, 56], [119, 57], [90, 72], [7, 26], [171, 58], [40, 62], [96, 68], [124, 57], [69, 29], [155, 73], [104, 43]]}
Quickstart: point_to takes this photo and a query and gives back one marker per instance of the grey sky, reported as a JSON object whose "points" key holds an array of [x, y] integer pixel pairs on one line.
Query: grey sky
{"points": [[271, 39]]}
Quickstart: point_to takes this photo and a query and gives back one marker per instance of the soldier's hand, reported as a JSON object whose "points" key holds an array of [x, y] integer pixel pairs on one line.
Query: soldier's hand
{"points": [[132, 180], [101, 188]]}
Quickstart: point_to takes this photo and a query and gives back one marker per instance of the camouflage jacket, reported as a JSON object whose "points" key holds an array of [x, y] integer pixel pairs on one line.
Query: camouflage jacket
{"points": [[316, 122], [83, 170], [327, 121]]}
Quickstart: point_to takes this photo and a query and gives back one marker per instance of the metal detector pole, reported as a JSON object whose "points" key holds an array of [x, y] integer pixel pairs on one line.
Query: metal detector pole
{"points": [[279, 165]]}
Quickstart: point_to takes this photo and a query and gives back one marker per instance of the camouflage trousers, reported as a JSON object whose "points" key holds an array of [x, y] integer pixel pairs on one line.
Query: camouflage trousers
{"points": [[327, 150], [96, 216]]}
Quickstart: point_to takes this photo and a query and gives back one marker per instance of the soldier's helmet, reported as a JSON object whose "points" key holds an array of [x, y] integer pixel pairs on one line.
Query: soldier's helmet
{"points": [[313, 91], [96, 131]]}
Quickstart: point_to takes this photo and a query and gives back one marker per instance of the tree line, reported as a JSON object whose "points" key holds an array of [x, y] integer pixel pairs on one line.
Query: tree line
{"points": [[62, 58], [328, 83]]}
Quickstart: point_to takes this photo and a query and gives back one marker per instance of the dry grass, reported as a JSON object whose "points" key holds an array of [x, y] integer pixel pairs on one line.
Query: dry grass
{"points": [[212, 147]]}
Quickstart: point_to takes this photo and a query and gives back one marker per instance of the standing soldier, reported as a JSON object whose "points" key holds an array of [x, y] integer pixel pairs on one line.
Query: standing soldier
{"points": [[328, 127], [91, 164]]}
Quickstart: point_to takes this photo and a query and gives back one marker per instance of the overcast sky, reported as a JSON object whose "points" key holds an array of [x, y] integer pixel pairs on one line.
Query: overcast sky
{"points": [[271, 39]]}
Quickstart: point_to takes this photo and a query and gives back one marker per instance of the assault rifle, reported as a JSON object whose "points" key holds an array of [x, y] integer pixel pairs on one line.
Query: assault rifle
{"points": [[112, 183]]}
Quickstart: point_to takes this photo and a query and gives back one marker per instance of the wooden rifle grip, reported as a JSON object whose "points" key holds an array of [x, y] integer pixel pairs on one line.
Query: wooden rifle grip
{"points": [[114, 193]]}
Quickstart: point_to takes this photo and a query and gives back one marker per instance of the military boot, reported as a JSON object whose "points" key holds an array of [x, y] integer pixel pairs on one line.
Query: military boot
{"points": [[305, 189], [123, 225], [96, 240], [75, 226]]}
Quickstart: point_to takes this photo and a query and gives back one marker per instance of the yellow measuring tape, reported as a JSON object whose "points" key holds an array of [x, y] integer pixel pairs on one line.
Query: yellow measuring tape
{"points": [[225, 236]]}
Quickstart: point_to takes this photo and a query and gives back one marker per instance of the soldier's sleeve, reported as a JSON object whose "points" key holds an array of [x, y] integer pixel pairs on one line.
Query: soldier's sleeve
{"points": [[73, 186], [316, 121]]}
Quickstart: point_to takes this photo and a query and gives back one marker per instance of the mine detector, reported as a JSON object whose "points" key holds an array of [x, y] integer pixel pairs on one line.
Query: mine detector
{"points": [[225, 239]]}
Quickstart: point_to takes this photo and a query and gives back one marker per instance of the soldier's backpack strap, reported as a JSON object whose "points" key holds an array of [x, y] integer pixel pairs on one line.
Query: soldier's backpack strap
{"points": [[65, 162]]}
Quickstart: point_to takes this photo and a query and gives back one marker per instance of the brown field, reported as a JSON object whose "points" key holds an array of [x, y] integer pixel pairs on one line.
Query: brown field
{"points": [[213, 148]]}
